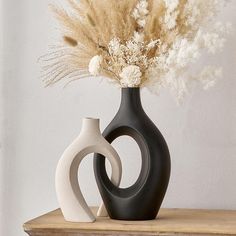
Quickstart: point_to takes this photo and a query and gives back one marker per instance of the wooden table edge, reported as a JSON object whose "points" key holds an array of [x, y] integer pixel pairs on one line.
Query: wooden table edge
{"points": [[29, 226]]}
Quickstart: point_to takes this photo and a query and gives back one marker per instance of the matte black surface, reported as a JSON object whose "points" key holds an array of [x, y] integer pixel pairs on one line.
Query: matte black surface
{"points": [[142, 200]]}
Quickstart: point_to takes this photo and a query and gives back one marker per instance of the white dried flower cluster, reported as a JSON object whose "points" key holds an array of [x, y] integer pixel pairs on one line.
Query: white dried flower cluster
{"points": [[186, 30], [131, 59], [131, 76], [172, 67]]}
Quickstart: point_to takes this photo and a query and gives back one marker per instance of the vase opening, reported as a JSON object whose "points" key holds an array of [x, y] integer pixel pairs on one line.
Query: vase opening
{"points": [[130, 157], [90, 125], [90, 118]]}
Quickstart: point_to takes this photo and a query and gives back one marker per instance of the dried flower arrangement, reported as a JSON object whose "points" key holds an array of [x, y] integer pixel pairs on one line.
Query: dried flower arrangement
{"points": [[138, 43]]}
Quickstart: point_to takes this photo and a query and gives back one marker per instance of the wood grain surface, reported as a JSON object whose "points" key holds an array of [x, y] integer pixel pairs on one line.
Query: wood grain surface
{"points": [[169, 222]]}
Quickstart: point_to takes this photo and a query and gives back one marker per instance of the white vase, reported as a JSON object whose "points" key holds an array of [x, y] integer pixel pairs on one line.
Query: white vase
{"points": [[70, 198]]}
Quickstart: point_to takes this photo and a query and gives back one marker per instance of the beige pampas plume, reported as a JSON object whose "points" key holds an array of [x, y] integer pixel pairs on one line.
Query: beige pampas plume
{"points": [[72, 42], [87, 27]]}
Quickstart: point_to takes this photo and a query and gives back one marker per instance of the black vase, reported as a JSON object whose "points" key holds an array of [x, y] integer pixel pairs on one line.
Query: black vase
{"points": [[143, 199]]}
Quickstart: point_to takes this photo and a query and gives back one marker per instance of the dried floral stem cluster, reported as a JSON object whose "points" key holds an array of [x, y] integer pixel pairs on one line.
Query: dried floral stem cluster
{"points": [[138, 43]]}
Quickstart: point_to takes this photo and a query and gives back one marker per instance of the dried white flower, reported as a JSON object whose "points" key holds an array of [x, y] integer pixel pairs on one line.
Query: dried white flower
{"points": [[170, 20], [177, 86], [171, 5], [95, 65], [209, 76], [140, 13], [153, 43], [213, 42], [115, 46], [133, 47], [171, 14], [138, 37], [130, 76]]}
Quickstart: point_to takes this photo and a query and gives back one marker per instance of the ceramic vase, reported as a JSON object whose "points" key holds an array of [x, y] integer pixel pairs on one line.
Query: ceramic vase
{"points": [[70, 198], [143, 199]]}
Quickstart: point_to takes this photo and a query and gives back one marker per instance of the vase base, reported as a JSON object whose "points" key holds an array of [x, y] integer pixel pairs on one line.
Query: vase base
{"points": [[134, 216], [134, 219]]}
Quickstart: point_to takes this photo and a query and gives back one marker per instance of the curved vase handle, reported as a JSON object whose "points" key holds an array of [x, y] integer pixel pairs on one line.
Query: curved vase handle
{"points": [[71, 200]]}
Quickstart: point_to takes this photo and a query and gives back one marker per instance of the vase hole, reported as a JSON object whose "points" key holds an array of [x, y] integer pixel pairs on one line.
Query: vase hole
{"points": [[131, 160], [87, 182]]}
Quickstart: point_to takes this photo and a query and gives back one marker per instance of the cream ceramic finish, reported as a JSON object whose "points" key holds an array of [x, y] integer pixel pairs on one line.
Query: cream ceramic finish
{"points": [[71, 200]]}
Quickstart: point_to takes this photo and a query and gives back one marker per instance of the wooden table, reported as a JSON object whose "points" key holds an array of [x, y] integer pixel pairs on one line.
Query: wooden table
{"points": [[170, 222]]}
